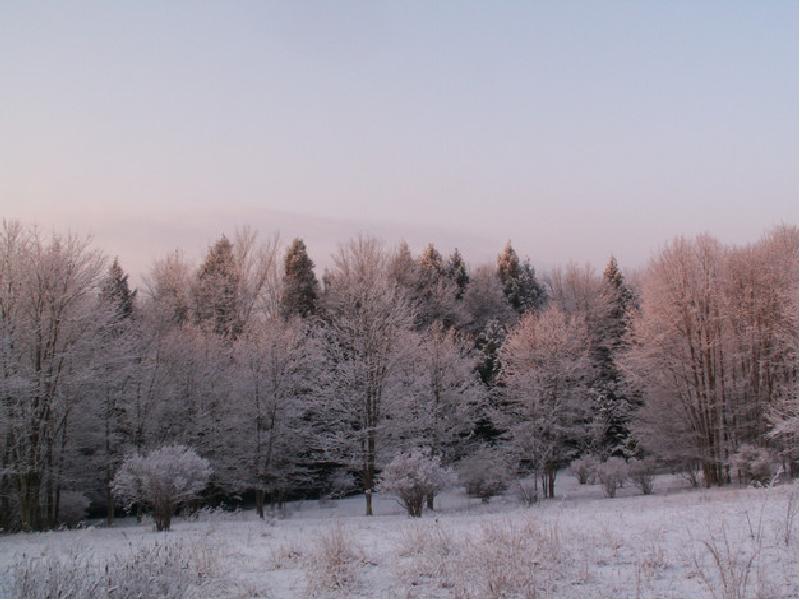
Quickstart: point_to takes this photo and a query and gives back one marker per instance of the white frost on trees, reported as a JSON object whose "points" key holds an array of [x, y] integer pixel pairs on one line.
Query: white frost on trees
{"points": [[411, 477], [162, 480]]}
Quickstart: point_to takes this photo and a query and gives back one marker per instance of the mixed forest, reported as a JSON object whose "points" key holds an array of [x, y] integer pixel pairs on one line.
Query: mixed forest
{"points": [[269, 380]]}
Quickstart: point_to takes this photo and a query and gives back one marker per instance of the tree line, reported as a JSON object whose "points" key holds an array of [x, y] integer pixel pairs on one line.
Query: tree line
{"points": [[292, 385]]}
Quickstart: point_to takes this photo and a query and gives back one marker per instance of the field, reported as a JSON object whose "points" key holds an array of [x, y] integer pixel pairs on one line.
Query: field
{"points": [[679, 542]]}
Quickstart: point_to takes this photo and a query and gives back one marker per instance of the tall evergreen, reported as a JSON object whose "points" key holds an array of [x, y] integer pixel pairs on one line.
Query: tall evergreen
{"points": [[300, 287], [430, 262], [116, 292], [488, 343], [456, 270], [520, 286], [217, 290], [614, 402]]}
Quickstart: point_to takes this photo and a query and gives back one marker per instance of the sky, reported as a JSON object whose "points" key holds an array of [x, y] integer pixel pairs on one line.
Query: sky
{"points": [[576, 129]]}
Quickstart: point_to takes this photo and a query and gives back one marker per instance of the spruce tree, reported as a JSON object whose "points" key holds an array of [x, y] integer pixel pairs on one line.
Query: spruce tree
{"points": [[520, 286], [116, 292], [488, 344], [300, 287], [217, 290], [456, 270], [614, 402], [430, 262]]}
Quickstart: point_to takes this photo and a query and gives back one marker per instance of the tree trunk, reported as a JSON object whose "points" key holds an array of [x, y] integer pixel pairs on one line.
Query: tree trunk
{"points": [[369, 475], [429, 501], [260, 503], [110, 509]]}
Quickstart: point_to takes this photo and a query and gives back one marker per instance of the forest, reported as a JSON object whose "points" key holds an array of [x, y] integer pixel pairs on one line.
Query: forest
{"points": [[291, 383]]}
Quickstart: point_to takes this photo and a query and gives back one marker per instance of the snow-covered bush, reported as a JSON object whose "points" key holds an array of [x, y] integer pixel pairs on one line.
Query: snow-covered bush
{"points": [[176, 569], [612, 475], [484, 474], [411, 476], [332, 567], [162, 480], [72, 507], [642, 473], [582, 468], [527, 490], [753, 464]]}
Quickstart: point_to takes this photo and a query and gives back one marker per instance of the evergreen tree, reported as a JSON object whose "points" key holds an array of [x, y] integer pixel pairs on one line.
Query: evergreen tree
{"points": [[403, 267], [300, 288], [456, 270], [520, 286], [430, 262], [613, 405], [116, 292], [488, 343], [217, 290]]}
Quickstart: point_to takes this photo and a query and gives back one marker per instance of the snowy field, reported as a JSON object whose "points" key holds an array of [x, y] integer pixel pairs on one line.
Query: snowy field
{"points": [[679, 542]]}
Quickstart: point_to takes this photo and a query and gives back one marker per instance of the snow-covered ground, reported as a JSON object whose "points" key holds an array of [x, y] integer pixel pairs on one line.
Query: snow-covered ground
{"points": [[679, 542]]}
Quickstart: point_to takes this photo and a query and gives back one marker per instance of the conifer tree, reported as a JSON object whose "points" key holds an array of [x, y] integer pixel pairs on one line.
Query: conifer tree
{"points": [[115, 291], [520, 286], [300, 287], [609, 327], [430, 262], [110, 382], [456, 270], [216, 290]]}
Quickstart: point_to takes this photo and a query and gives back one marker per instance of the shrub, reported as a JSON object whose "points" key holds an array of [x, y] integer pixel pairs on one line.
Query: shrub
{"points": [[582, 468], [484, 474], [690, 473], [411, 476], [642, 473], [528, 491], [612, 475], [162, 480], [753, 464]]}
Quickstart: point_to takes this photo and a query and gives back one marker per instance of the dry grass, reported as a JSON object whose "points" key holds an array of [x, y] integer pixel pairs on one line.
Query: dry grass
{"points": [[174, 569], [332, 567]]}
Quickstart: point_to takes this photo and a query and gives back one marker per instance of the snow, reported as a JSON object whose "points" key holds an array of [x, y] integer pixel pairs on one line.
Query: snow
{"points": [[631, 545]]}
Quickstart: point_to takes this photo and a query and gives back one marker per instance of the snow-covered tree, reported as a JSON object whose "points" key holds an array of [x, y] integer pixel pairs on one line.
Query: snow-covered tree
{"points": [[300, 288], [456, 271], [116, 292], [484, 301], [613, 397], [446, 396], [367, 323], [51, 328], [544, 365], [710, 348], [520, 286], [216, 290], [162, 479], [274, 373]]}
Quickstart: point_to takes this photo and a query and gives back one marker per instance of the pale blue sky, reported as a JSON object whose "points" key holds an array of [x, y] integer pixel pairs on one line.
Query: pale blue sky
{"points": [[576, 129]]}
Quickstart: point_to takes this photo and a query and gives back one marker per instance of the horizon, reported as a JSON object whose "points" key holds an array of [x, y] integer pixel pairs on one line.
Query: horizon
{"points": [[577, 130]]}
